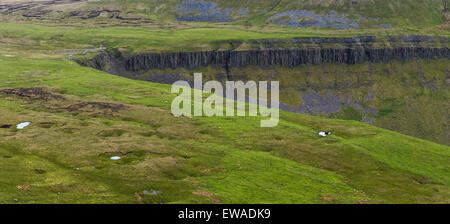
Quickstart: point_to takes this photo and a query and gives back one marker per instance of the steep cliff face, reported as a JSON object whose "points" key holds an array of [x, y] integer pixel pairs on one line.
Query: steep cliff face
{"points": [[401, 84], [288, 58], [344, 51]]}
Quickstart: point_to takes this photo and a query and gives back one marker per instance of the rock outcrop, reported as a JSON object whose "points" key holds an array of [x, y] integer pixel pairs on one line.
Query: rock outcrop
{"points": [[347, 51], [374, 92], [289, 58]]}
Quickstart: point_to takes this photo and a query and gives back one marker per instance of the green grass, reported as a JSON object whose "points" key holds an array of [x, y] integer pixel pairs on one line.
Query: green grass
{"points": [[139, 39], [259, 177], [198, 160], [64, 155], [398, 12], [408, 96]]}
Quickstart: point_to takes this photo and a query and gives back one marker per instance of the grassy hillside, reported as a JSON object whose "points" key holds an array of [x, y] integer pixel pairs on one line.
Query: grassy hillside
{"points": [[81, 117], [367, 14], [408, 97], [418, 88], [141, 40]]}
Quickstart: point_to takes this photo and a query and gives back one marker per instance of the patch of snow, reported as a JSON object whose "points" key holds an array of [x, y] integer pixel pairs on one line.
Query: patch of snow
{"points": [[115, 158], [324, 134], [22, 125]]}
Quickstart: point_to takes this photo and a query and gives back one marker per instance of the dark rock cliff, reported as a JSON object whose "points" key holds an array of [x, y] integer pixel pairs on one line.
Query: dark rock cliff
{"points": [[315, 51], [289, 58], [408, 97]]}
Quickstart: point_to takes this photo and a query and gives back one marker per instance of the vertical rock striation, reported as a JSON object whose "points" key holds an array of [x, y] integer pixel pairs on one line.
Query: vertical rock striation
{"points": [[265, 53], [289, 58]]}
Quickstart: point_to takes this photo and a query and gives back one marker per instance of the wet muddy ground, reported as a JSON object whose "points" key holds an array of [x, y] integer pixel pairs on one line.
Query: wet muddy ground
{"points": [[48, 100]]}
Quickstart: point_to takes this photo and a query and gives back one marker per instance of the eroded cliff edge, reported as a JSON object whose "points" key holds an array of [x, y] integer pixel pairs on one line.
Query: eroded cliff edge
{"points": [[399, 83], [289, 53]]}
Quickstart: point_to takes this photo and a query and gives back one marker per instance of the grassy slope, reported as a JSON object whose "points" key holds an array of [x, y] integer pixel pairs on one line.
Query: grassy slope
{"points": [[402, 91], [19, 37], [138, 39], [398, 12], [199, 160]]}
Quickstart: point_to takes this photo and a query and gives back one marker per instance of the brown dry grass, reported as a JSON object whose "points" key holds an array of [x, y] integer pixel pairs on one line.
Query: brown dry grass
{"points": [[207, 194]]}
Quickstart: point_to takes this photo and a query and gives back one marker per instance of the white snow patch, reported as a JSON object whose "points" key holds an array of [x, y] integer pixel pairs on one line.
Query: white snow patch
{"points": [[115, 158], [324, 134], [22, 125]]}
